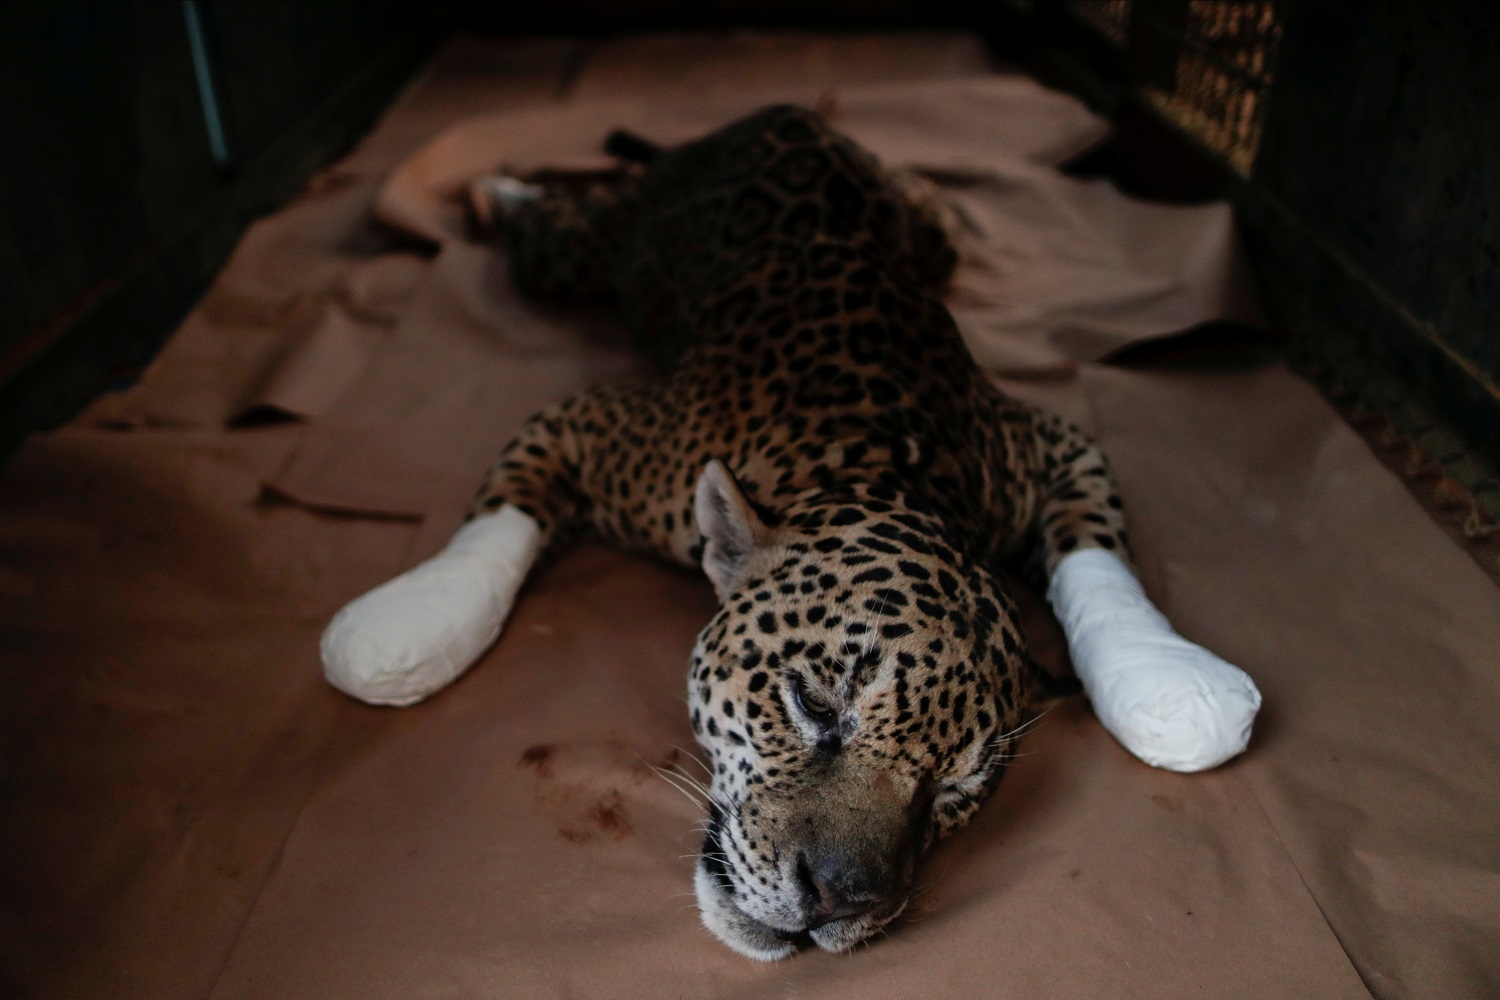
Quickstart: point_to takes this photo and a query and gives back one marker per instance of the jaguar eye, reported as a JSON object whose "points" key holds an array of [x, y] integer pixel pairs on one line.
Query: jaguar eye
{"points": [[812, 706]]}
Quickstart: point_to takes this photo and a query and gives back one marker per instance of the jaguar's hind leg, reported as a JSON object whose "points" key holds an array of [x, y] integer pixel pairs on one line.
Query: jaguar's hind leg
{"points": [[564, 231], [1171, 702]]}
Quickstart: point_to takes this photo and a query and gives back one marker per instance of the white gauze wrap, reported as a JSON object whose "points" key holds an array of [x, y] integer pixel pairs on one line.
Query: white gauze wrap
{"points": [[415, 634], [1168, 701]]}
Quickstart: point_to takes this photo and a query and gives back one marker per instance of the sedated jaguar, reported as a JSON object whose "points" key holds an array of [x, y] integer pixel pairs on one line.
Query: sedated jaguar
{"points": [[825, 446]]}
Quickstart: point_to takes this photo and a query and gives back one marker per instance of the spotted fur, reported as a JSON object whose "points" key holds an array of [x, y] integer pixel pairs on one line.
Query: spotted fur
{"points": [[825, 446]]}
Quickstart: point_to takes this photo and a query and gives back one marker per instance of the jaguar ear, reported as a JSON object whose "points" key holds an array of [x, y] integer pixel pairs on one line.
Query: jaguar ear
{"points": [[732, 531]]}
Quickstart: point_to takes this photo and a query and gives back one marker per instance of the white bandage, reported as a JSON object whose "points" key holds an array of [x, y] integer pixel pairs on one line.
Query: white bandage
{"points": [[415, 634], [1170, 702], [494, 197]]}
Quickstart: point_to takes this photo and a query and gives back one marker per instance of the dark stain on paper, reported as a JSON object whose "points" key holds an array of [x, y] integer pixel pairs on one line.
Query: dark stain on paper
{"points": [[607, 818], [583, 814], [539, 757]]}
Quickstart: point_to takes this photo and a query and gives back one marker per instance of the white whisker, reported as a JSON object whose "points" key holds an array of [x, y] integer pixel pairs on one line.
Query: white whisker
{"points": [[692, 757]]}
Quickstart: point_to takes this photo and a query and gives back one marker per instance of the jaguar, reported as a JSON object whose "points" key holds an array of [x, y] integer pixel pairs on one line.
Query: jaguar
{"points": [[823, 444]]}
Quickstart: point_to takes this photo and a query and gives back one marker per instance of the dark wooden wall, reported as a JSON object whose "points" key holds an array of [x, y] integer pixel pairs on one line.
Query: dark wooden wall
{"points": [[1382, 146], [105, 150], [114, 210]]}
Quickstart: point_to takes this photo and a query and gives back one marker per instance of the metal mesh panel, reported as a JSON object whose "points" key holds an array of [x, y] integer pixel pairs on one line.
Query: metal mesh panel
{"points": [[1223, 74], [1204, 64]]}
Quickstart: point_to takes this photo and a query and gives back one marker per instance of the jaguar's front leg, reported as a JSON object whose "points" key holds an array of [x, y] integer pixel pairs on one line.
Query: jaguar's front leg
{"points": [[1169, 701], [415, 634]]}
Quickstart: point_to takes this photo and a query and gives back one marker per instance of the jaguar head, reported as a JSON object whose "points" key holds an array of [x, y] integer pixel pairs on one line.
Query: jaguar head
{"points": [[853, 694]]}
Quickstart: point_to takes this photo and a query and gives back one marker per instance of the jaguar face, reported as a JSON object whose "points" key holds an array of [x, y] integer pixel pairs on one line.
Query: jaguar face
{"points": [[853, 694]]}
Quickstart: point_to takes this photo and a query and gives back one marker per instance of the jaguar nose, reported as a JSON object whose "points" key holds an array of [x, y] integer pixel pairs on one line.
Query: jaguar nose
{"points": [[834, 887]]}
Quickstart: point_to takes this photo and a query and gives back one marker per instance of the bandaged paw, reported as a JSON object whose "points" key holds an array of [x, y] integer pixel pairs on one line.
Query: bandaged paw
{"points": [[1170, 702], [494, 197], [414, 635]]}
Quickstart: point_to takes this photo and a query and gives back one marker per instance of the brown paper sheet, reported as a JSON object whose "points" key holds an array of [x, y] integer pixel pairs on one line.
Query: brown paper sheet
{"points": [[1375, 646], [189, 811]]}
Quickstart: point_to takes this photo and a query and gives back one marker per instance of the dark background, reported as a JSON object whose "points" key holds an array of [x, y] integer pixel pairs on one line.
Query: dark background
{"points": [[1372, 209]]}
